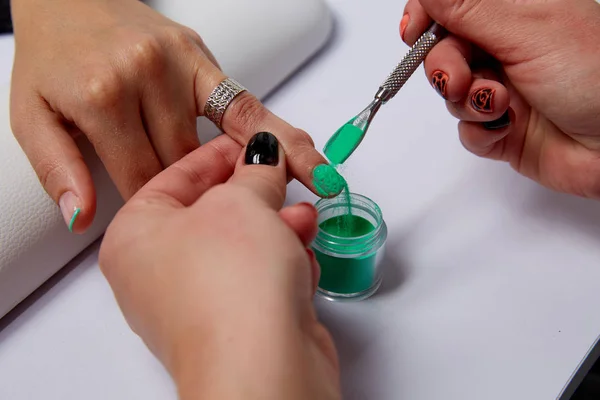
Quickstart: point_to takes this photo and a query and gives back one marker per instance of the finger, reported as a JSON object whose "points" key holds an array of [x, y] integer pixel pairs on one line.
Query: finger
{"points": [[181, 184], [302, 218], [169, 116], [111, 120], [447, 67], [57, 161], [487, 101], [246, 115], [414, 22], [315, 269], [261, 170], [487, 139]]}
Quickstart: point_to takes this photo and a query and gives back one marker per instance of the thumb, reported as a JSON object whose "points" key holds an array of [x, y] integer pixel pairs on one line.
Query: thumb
{"points": [[497, 27], [262, 169]]}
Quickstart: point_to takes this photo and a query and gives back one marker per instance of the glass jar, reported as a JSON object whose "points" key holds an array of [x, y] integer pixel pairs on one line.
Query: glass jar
{"points": [[349, 247]]}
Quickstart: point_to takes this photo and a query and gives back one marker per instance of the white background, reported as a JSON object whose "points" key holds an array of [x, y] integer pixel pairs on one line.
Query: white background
{"points": [[492, 282]]}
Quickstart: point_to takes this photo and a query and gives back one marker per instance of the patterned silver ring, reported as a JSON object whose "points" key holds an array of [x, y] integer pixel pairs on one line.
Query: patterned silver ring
{"points": [[220, 98]]}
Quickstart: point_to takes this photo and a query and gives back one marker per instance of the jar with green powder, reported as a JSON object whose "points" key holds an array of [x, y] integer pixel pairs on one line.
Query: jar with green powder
{"points": [[349, 247]]}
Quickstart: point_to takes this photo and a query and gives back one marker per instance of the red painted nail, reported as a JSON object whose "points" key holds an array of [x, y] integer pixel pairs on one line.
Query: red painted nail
{"points": [[404, 25]]}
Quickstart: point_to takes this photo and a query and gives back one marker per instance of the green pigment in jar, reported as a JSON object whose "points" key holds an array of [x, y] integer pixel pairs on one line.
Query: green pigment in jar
{"points": [[349, 247]]}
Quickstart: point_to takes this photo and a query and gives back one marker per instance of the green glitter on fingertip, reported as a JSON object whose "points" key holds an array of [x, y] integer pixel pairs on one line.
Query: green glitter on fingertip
{"points": [[327, 181], [74, 218]]}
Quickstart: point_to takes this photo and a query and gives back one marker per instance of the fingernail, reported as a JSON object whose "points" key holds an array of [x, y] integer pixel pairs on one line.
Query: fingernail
{"points": [[327, 180], [69, 207], [482, 100], [262, 149], [403, 25], [439, 80], [310, 207], [499, 123]]}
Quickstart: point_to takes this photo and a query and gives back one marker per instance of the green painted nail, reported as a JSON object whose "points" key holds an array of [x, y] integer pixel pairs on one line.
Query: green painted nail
{"points": [[328, 181], [74, 218]]}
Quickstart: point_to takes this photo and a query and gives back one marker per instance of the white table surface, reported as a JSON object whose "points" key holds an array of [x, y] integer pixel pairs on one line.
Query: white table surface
{"points": [[492, 282]]}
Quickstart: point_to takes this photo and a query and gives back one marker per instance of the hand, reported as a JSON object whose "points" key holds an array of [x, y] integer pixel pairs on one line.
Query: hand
{"points": [[130, 80], [218, 283], [538, 60]]}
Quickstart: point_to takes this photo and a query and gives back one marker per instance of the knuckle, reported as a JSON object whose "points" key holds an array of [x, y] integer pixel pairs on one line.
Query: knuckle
{"points": [[192, 34], [49, 171], [147, 51], [103, 91], [302, 138], [192, 176], [299, 142], [222, 198], [181, 38], [247, 112], [459, 10]]}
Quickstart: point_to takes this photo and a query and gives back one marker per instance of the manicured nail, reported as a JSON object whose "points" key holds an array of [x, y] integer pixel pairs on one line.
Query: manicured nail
{"points": [[310, 207], [69, 207], [263, 149], [482, 100], [327, 181], [439, 80], [500, 123], [404, 25]]}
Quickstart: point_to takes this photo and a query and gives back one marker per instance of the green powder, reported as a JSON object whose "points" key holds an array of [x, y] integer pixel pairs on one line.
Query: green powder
{"points": [[347, 226], [346, 275], [328, 181], [343, 143]]}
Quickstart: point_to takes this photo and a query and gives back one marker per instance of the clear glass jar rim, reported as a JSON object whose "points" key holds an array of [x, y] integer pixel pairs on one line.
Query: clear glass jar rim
{"points": [[358, 245]]}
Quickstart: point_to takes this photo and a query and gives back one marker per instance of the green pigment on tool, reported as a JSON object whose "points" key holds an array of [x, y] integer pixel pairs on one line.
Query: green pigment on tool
{"points": [[343, 143]]}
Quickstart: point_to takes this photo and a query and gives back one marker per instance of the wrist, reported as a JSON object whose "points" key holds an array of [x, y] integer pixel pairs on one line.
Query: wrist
{"points": [[257, 361]]}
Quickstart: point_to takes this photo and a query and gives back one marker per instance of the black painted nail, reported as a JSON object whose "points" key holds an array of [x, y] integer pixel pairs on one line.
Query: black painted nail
{"points": [[499, 123], [263, 149]]}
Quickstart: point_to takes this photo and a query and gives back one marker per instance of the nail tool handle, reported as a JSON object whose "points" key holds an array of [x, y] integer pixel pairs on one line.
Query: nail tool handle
{"points": [[410, 63]]}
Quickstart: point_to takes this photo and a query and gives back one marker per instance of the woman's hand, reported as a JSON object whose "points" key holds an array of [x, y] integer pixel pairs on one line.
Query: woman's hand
{"points": [[218, 282], [524, 79], [133, 82]]}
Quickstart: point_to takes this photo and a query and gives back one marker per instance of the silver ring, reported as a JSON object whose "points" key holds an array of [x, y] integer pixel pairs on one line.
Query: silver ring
{"points": [[220, 98]]}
